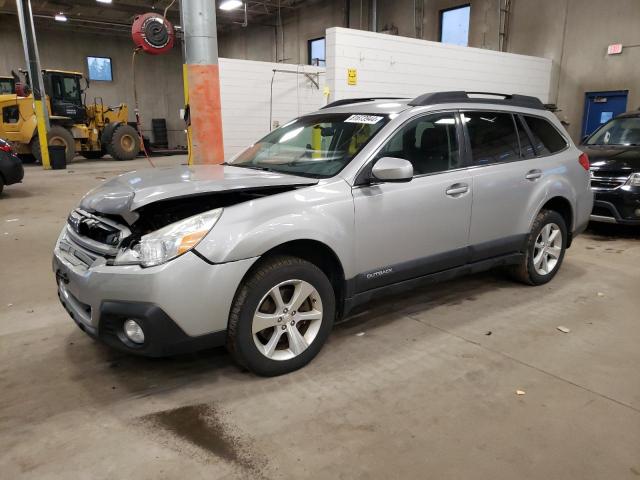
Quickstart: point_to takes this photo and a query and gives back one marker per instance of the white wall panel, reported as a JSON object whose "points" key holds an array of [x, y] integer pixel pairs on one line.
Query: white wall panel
{"points": [[390, 65], [246, 89]]}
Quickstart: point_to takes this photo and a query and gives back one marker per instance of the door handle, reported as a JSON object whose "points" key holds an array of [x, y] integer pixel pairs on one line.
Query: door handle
{"points": [[457, 189], [533, 174]]}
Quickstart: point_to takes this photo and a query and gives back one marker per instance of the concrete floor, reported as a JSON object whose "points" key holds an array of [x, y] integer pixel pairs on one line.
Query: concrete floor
{"points": [[429, 390]]}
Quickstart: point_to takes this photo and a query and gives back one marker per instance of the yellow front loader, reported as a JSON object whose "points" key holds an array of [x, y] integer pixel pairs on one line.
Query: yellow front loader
{"points": [[90, 130]]}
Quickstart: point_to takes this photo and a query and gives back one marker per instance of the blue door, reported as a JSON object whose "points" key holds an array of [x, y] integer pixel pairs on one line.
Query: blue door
{"points": [[600, 107]]}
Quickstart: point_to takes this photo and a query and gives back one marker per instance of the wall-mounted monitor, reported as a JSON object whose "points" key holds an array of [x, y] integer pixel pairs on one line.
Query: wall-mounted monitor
{"points": [[100, 69]]}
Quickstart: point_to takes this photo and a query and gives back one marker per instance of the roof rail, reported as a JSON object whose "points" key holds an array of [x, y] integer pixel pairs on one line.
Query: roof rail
{"points": [[460, 96], [347, 101]]}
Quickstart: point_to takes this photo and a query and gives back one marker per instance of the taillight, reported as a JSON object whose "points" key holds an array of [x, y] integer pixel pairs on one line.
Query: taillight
{"points": [[583, 160], [5, 147]]}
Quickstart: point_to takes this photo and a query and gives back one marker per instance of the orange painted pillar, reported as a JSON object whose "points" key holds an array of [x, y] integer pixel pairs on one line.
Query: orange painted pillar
{"points": [[202, 82]]}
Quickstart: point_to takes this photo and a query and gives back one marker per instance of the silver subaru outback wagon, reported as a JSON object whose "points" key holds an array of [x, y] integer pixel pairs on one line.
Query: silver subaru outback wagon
{"points": [[364, 197]]}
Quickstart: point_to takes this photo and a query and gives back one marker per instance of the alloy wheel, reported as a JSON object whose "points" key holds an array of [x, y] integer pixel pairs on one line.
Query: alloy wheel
{"points": [[547, 249], [287, 320]]}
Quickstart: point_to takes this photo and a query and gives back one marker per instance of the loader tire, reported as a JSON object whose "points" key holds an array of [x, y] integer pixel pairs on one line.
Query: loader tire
{"points": [[124, 144], [58, 135]]}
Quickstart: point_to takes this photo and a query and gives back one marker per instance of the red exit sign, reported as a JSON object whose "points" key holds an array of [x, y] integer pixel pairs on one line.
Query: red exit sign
{"points": [[614, 49]]}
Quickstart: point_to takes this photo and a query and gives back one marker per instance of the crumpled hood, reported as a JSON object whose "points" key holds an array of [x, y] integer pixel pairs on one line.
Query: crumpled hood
{"points": [[128, 192]]}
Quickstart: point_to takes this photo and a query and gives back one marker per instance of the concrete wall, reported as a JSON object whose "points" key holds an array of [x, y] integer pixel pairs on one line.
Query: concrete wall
{"points": [[389, 65], [159, 78], [245, 85], [248, 108], [260, 42], [575, 35]]}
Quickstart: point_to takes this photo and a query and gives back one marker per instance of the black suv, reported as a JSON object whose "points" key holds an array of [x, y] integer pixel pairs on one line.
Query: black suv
{"points": [[614, 151]]}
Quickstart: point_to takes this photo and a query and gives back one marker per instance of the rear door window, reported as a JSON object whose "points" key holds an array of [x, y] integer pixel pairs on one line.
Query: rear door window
{"points": [[492, 136], [546, 139]]}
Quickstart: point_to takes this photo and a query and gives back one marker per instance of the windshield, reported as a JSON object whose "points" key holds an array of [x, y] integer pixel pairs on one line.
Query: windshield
{"points": [[619, 131], [317, 146], [66, 88]]}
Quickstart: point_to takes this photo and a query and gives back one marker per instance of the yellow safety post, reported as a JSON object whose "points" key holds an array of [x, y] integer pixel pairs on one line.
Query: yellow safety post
{"points": [[42, 132], [185, 83]]}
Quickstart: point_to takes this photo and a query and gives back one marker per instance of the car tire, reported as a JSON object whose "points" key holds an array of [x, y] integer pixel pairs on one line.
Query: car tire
{"points": [[296, 325], [545, 249], [1, 184]]}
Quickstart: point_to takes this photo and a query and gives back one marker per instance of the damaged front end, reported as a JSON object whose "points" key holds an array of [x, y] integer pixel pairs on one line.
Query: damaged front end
{"points": [[158, 232], [149, 217]]}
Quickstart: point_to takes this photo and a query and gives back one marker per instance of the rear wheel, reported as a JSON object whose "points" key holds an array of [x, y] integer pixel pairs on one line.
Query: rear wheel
{"points": [[124, 144], [546, 246], [58, 135], [1, 184], [281, 316]]}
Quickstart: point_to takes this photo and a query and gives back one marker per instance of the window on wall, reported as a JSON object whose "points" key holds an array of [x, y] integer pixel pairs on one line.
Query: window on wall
{"points": [[317, 52], [454, 25]]}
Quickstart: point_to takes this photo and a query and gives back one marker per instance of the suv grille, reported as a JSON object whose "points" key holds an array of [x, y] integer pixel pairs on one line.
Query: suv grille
{"points": [[608, 179]]}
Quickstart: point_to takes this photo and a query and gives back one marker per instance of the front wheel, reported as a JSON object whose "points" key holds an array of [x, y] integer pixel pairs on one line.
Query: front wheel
{"points": [[546, 246], [281, 316], [124, 144]]}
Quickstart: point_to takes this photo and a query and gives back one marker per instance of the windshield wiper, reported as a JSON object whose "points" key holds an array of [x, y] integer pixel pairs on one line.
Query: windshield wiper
{"points": [[252, 167]]}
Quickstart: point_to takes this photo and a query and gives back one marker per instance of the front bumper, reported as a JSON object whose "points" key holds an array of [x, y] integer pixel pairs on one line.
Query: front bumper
{"points": [[182, 305], [617, 206]]}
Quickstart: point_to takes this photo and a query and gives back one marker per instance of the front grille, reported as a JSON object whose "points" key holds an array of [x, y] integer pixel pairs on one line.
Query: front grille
{"points": [[89, 237], [608, 179]]}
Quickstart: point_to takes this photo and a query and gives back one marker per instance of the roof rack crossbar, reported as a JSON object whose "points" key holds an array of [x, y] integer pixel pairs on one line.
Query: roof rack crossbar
{"points": [[347, 101], [460, 96]]}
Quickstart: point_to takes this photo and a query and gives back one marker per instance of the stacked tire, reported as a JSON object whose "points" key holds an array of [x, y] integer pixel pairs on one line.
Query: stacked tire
{"points": [[159, 129]]}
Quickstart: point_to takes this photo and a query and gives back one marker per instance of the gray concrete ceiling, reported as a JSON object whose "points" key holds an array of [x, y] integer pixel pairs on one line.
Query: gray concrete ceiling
{"points": [[89, 15]]}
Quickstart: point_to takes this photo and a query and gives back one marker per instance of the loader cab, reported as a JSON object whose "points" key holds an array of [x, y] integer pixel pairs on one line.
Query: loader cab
{"points": [[65, 94], [7, 85]]}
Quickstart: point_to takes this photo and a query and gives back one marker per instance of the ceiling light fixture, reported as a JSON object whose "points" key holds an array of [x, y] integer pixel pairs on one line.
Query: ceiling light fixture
{"points": [[60, 17], [104, 1], [230, 4]]}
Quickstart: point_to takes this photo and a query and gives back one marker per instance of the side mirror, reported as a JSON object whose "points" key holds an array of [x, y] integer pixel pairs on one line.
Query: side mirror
{"points": [[391, 169]]}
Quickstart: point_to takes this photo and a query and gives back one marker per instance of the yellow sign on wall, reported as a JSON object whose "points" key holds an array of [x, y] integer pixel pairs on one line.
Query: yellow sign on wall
{"points": [[352, 76]]}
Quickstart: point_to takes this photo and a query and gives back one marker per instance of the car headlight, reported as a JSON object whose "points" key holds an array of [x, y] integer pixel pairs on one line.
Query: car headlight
{"points": [[169, 242], [634, 180]]}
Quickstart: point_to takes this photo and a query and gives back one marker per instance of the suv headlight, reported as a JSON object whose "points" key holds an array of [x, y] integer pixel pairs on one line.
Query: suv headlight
{"points": [[634, 180], [169, 242]]}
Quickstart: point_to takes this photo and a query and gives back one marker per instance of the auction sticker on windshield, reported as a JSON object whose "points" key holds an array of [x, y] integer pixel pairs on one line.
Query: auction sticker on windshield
{"points": [[370, 119]]}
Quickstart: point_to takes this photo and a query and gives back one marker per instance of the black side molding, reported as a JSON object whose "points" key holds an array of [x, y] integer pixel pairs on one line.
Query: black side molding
{"points": [[399, 287]]}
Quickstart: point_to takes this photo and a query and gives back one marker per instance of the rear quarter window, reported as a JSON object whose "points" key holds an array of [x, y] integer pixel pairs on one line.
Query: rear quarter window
{"points": [[546, 139]]}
